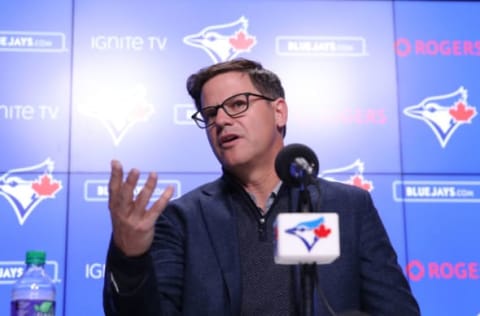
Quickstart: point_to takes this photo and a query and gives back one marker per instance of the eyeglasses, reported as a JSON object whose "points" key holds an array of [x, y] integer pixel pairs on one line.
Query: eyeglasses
{"points": [[233, 106]]}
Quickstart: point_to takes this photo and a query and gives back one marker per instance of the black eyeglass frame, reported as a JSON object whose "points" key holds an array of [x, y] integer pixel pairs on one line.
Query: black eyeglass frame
{"points": [[198, 117]]}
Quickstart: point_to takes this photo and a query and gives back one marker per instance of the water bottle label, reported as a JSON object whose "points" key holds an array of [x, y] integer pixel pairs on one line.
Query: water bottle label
{"points": [[33, 308]]}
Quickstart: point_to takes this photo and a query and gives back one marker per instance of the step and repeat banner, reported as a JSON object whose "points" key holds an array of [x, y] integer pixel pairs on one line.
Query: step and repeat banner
{"points": [[386, 93]]}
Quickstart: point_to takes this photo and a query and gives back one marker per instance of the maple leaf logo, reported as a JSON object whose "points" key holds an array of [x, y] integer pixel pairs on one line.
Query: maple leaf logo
{"points": [[140, 112], [360, 182], [462, 113], [322, 231], [45, 186], [241, 41]]}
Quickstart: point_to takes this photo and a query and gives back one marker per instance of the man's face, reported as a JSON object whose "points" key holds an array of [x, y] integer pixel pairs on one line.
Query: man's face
{"points": [[252, 139]]}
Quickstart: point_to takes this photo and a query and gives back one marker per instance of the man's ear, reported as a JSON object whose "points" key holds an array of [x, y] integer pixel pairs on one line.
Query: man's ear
{"points": [[281, 112]]}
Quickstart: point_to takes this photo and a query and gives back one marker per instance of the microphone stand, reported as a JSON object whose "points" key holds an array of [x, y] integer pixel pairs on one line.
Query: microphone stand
{"points": [[308, 271]]}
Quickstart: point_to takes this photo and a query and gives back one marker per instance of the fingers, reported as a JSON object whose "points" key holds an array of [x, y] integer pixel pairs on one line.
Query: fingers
{"points": [[133, 223], [116, 178], [129, 186], [121, 192], [145, 194], [122, 199], [159, 206], [115, 184]]}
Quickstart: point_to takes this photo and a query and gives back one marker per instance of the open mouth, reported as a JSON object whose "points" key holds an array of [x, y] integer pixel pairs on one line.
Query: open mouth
{"points": [[228, 139]]}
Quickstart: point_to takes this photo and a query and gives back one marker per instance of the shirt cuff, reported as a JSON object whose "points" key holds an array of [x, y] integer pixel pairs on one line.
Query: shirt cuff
{"points": [[127, 273]]}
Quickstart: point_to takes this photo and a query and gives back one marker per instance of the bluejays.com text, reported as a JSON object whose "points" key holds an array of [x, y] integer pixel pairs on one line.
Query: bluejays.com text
{"points": [[429, 191]]}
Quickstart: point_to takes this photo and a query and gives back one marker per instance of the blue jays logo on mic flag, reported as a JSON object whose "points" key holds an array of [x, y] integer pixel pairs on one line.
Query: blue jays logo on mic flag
{"points": [[444, 113], [223, 42], [310, 232], [24, 188]]}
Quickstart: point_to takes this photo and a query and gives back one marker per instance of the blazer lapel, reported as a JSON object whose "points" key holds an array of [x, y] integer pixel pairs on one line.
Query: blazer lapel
{"points": [[220, 222]]}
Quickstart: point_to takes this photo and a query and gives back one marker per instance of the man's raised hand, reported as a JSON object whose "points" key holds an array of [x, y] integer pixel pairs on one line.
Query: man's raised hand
{"points": [[132, 223]]}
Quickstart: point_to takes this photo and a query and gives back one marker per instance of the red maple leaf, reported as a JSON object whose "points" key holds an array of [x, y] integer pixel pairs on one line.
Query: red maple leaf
{"points": [[358, 182], [322, 231], [241, 41], [45, 186], [462, 112], [141, 111]]}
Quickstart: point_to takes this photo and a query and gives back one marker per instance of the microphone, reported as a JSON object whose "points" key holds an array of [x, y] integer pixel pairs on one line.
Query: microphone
{"points": [[296, 165], [303, 236]]}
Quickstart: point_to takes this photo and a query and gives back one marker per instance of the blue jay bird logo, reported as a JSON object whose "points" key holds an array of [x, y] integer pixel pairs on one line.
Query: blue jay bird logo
{"points": [[351, 174], [310, 232], [223, 42], [119, 109], [444, 113], [24, 188]]}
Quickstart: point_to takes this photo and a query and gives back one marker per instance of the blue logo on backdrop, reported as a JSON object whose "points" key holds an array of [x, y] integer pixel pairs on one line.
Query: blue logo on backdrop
{"points": [[223, 42], [351, 174], [118, 109], [444, 113], [24, 188]]}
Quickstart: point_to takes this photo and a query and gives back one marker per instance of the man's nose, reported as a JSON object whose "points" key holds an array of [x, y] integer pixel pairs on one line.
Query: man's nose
{"points": [[222, 117]]}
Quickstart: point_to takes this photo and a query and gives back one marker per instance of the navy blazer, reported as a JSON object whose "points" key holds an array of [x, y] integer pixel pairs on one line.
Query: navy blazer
{"points": [[193, 266]]}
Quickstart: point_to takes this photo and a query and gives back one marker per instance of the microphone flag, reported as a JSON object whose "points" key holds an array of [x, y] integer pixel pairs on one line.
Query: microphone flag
{"points": [[306, 238]]}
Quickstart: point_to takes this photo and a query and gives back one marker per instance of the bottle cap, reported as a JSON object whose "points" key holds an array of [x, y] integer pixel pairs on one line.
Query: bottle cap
{"points": [[35, 257]]}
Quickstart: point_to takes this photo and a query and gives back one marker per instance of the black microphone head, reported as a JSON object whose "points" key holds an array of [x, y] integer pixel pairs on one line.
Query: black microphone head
{"points": [[287, 156]]}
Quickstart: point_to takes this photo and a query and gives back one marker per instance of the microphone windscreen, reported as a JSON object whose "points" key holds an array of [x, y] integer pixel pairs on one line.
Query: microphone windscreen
{"points": [[287, 156]]}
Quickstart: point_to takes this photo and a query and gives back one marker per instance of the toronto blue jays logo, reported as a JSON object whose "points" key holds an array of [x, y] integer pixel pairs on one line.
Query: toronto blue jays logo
{"points": [[118, 109], [24, 188], [310, 232], [444, 113], [223, 42], [351, 174]]}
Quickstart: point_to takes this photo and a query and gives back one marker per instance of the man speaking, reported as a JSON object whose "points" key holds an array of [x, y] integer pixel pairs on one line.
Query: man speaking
{"points": [[210, 252]]}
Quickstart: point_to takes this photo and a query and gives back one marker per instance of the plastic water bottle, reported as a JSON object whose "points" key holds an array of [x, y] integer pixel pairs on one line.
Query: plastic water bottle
{"points": [[34, 293]]}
